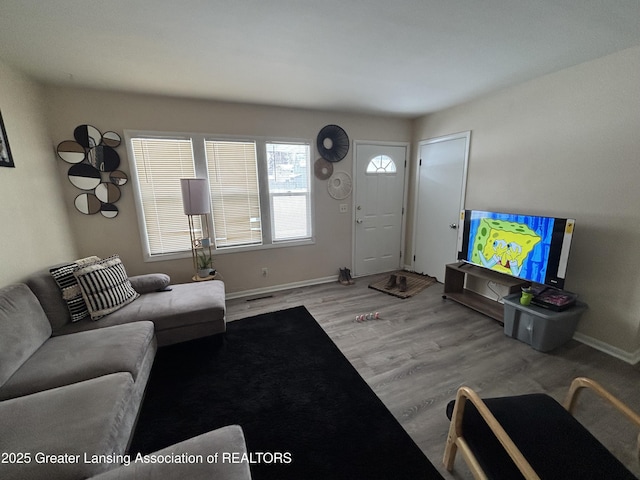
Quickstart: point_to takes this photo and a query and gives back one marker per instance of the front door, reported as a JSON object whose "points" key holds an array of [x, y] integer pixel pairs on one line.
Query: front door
{"points": [[442, 173], [379, 198]]}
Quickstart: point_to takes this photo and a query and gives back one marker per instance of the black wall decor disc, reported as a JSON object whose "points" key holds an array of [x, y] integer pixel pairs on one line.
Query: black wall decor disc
{"points": [[84, 176], [87, 135], [332, 143]]}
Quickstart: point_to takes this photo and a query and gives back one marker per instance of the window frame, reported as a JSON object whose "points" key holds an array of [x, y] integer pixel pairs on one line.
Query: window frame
{"points": [[201, 171], [272, 195]]}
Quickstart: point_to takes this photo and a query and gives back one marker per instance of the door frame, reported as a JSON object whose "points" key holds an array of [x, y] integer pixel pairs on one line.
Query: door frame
{"points": [[405, 198], [416, 184]]}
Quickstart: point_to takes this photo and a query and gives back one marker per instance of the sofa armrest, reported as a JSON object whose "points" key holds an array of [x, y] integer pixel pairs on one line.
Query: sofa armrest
{"points": [[204, 456]]}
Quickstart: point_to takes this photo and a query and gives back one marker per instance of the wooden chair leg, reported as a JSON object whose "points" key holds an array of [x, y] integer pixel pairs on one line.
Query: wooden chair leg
{"points": [[450, 449], [455, 428]]}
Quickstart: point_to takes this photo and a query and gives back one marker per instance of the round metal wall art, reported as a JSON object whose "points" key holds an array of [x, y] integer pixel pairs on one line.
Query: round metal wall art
{"points": [[111, 139], [332, 143], [109, 210], [87, 203], [104, 158], [94, 167], [87, 135], [71, 151], [84, 176], [107, 193], [118, 177]]}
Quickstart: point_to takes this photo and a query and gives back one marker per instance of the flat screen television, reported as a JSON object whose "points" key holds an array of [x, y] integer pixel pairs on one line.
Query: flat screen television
{"points": [[530, 247]]}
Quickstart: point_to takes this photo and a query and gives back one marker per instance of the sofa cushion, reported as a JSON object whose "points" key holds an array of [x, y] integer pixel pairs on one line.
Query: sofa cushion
{"points": [[74, 358], [23, 328], [105, 286], [150, 282], [69, 288], [68, 422], [227, 440], [187, 304]]}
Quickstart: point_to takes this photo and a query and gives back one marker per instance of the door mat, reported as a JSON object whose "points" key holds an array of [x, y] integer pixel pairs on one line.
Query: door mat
{"points": [[415, 284]]}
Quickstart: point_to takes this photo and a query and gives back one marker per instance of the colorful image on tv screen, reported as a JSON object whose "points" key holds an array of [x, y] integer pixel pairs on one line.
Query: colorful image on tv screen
{"points": [[517, 245]]}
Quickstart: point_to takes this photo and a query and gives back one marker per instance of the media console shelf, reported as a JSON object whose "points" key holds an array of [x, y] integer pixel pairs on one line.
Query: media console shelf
{"points": [[454, 288]]}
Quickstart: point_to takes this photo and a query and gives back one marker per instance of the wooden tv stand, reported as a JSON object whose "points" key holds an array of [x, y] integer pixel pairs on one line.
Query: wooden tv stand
{"points": [[454, 288]]}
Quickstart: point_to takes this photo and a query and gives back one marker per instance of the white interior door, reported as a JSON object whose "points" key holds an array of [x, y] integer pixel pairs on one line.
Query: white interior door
{"points": [[442, 173], [379, 198]]}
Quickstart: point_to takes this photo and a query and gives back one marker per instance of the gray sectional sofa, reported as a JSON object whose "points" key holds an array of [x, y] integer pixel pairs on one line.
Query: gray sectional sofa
{"points": [[70, 392]]}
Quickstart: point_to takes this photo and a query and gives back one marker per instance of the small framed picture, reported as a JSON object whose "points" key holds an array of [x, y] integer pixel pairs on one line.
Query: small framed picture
{"points": [[6, 159]]}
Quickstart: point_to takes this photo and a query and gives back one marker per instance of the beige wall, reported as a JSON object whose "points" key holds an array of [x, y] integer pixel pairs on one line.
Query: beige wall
{"points": [[568, 144], [565, 144], [242, 271], [35, 228]]}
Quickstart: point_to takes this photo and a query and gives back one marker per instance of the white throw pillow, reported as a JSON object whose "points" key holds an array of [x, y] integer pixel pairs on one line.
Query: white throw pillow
{"points": [[105, 286]]}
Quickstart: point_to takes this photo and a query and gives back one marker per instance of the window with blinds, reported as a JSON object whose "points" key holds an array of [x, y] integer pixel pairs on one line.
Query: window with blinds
{"points": [[288, 167], [159, 164], [235, 195], [260, 191]]}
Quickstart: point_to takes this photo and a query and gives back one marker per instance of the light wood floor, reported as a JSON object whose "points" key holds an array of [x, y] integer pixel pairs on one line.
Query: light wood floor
{"points": [[423, 348]]}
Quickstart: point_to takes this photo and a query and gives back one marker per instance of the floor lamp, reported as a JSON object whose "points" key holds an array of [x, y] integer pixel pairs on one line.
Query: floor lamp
{"points": [[197, 203]]}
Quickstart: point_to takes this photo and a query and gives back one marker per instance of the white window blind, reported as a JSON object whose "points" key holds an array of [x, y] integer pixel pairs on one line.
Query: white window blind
{"points": [[160, 163], [289, 190], [260, 191], [235, 195]]}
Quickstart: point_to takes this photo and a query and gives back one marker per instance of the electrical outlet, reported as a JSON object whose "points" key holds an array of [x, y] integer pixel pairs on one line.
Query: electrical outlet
{"points": [[265, 272], [344, 208]]}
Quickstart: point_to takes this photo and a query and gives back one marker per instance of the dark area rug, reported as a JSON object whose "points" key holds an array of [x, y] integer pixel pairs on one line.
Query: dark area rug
{"points": [[286, 383]]}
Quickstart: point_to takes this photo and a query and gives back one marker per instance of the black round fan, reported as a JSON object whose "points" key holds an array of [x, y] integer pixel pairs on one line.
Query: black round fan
{"points": [[332, 143]]}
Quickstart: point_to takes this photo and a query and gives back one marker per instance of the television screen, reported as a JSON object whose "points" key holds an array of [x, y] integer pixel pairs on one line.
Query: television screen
{"points": [[525, 246]]}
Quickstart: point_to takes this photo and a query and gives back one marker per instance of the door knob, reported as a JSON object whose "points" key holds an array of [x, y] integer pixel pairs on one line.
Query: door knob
{"points": [[359, 220], [453, 226]]}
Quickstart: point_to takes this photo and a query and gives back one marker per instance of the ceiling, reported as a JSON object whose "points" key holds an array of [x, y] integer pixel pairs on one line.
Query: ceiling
{"points": [[403, 58]]}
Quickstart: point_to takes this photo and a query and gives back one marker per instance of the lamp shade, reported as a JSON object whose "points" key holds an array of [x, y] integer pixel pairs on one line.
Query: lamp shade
{"points": [[195, 196]]}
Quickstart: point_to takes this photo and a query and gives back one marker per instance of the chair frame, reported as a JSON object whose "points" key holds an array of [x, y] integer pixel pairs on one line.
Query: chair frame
{"points": [[456, 440]]}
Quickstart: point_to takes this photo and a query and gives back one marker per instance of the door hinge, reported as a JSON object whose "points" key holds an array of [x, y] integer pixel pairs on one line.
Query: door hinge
{"points": [[420, 164], [414, 258]]}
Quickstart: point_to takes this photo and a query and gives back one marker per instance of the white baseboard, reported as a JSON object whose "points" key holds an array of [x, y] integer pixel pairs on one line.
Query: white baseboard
{"points": [[631, 358], [256, 292]]}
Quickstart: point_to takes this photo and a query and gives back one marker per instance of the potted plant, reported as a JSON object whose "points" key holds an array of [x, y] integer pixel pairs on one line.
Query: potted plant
{"points": [[205, 264]]}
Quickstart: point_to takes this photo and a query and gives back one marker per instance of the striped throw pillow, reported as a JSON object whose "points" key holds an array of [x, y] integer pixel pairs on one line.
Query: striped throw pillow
{"points": [[71, 294], [105, 286]]}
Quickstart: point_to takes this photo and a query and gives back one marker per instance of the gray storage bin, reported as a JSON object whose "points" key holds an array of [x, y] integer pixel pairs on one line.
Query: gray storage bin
{"points": [[539, 327]]}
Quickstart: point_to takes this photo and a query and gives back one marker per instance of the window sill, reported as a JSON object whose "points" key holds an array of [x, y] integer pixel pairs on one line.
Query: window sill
{"points": [[229, 250]]}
